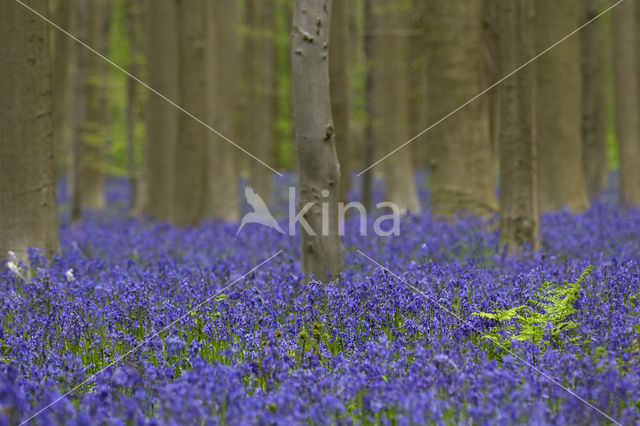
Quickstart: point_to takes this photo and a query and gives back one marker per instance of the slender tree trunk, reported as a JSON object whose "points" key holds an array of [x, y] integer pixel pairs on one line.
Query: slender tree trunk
{"points": [[221, 200], [192, 136], [460, 147], [594, 145], [260, 117], [339, 82], [490, 52], [560, 166], [28, 216], [79, 110], [91, 183], [60, 81], [318, 169], [625, 70], [132, 22], [368, 146], [162, 118], [519, 217], [390, 105]]}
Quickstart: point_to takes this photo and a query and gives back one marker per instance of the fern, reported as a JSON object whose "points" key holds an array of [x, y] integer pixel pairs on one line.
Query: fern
{"points": [[543, 320]]}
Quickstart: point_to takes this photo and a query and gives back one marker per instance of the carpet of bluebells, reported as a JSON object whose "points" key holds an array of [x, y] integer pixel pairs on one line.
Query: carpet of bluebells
{"points": [[275, 349]]}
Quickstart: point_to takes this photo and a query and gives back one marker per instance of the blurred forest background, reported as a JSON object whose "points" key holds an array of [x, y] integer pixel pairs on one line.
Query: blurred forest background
{"points": [[375, 108]]}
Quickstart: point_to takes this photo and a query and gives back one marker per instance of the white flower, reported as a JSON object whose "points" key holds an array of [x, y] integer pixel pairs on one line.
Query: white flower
{"points": [[13, 267], [70, 276]]}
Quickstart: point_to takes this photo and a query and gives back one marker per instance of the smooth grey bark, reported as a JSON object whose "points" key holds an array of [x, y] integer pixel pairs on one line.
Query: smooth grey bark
{"points": [[559, 92], [390, 101], [594, 144], [162, 118], [519, 217], [94, 140], [221, 199], [79, 110], [339, 84], [132, 21], [368, 145], [190, 156], [318, 169], [28, 215], [460, 149], [260, 110], [625, 81], [61, 88]]}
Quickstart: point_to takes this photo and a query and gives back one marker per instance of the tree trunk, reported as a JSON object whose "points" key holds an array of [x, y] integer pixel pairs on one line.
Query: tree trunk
{"points": [[339, 82], [60, 82], [390, 104], [318, 169], [132, 21], [79, 110], [460, 147], [91, 183], [368, 146], [28, 216], [162, 118], [221, 200], [190, 148], [260, 111], [519, 217], [625, 73], [560, 167], [594, 144]]}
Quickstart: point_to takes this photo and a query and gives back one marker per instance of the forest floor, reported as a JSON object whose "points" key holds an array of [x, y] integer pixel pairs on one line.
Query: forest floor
{"points": [[198, 340]]}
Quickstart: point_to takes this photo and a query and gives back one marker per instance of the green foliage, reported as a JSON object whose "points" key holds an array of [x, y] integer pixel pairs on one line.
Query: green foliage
{"points": [[543, 320]]}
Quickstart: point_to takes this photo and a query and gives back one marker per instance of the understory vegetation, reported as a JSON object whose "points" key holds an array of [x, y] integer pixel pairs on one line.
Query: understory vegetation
{"points": [[446, 345]]}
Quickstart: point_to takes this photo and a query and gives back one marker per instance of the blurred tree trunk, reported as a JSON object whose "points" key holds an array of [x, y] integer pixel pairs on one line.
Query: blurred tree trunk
{"points": [[625, 70], [260, 111], [133, 19], [390, 101], [560, 166], [339, 82], [519, 217], [79, 109], [28, 215], [490, 52], [91, 178], [594, 142], [417, 77], [460, 147], [221, 200], [318, 169], [162, 118], [368, 146], [61, 87], [190, 157]]}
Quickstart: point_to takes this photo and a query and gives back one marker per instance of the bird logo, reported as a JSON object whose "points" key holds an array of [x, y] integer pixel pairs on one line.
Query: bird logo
{"points": [[260, 213]]}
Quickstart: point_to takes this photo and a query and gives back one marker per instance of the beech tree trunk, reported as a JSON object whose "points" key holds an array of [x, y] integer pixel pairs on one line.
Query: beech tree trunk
{"points": [[560, 166], [79, 110], [625, 70], [61, 88], [390, 101], [190, 148], [221, 200], [519, 217], [594, 144], [318, 169], [339, 82], [28, 216], [459, 148], [91, 182], [162, 118], [260, 111]]}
